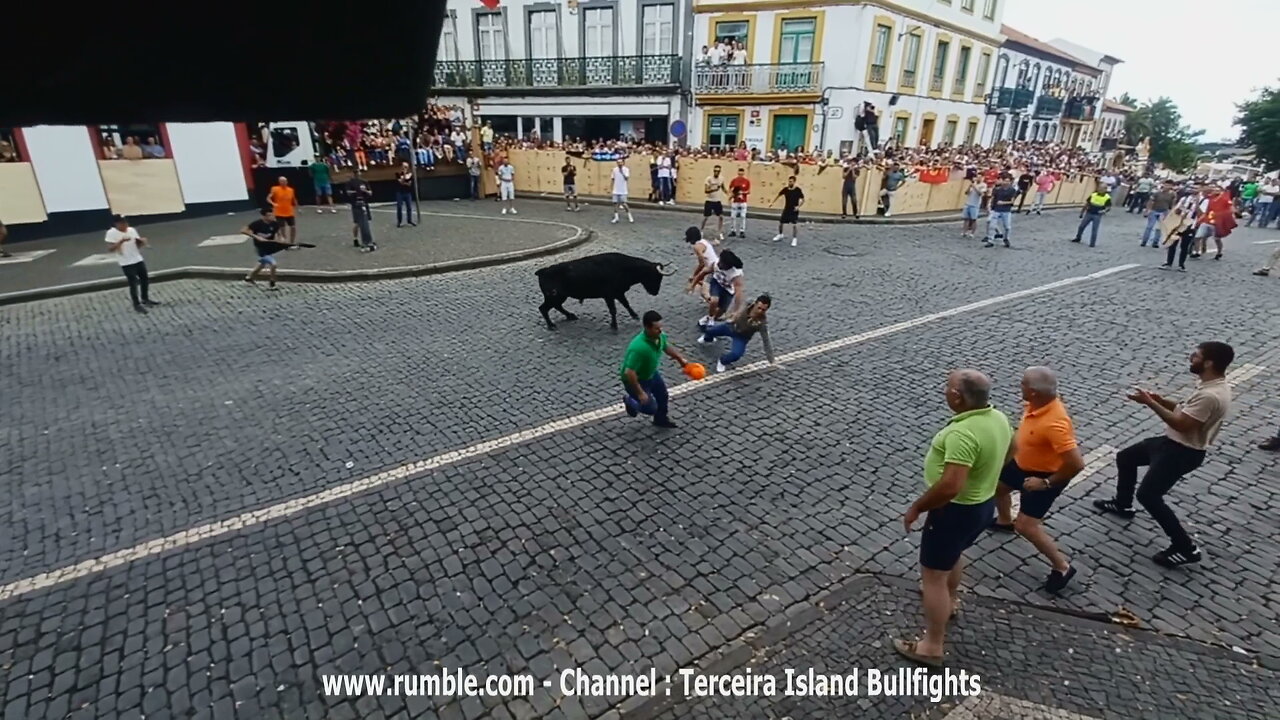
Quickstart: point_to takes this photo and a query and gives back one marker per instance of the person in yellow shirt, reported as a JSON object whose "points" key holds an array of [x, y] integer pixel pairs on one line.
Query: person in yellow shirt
{"points": [[1045, 459], [284, 204]]}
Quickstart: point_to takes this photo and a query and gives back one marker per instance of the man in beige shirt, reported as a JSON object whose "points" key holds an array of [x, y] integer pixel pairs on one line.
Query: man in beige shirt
{"points": [[131, 150], [1191, 427], [714, 188]]}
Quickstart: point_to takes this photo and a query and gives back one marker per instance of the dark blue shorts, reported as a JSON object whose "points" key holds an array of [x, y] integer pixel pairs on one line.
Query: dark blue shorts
{"points": [[723, 296], [1035, 503], [950, 530]]}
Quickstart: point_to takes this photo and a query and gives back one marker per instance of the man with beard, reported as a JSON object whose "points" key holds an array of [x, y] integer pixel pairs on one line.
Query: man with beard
{"points": [[1191, 426]]}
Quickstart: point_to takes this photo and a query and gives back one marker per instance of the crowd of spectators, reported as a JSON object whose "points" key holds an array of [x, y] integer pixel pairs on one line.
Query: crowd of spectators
{"points": [[438, 134]]}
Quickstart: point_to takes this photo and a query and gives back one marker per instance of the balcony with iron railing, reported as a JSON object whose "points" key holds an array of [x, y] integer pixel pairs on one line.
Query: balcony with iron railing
{"points": [[1080, 108], [908, 79], [771, 79], [626, 71], [1009, 100], [935, 84], [1048, 107], [877, 73]]}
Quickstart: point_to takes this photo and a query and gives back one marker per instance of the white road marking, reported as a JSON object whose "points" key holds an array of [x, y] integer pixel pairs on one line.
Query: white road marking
{"points": [[97, 259], [220, 528], [1104, 455], [217, 240], [1265, 242], [503, 218], [24, 257], [993, 705]]}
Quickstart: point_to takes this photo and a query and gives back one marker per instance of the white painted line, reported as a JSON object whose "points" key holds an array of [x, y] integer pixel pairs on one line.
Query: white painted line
{"points": [[373, 482], [1265, 242], [97, 259], [991, 705], [503, 218], [24, 257], [1104, 455], [217, 240]]}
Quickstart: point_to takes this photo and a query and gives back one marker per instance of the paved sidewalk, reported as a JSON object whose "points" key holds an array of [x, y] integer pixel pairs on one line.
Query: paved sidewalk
{"points": [[449, 236]]}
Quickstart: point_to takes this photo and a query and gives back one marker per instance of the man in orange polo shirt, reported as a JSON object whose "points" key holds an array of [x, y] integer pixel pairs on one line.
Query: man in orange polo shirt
{"points": [[284, 203], [1045, 458]]}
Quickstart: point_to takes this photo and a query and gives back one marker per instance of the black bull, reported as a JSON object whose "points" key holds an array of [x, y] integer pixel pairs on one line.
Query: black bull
{"points": [[608, 276]]}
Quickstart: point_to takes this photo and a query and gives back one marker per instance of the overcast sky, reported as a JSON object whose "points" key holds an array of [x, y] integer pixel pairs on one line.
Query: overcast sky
{"points": [[1207, 56]]}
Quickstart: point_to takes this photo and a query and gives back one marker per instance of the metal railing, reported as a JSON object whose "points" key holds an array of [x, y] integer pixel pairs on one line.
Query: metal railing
{"points": [[1011, 99], [1048, 107], [908, 78], [877, 73], [621, 71], [797, 78], [957, 87], [1079, 109], [935, 84]]}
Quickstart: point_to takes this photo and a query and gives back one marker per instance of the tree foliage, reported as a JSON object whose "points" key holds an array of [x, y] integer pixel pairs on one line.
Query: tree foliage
{"points": [[1172, 142], [1259, 123]]}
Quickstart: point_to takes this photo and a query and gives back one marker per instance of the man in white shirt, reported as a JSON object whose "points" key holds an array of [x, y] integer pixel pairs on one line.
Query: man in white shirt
{"points": [[1262, 207], [125, 242], [507, 186], [621, 176], [665, 195], [714, 187]]}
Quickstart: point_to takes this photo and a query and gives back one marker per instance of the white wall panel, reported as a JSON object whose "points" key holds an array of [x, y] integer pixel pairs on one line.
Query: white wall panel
{"points": [[65, 167], [208, 160]]}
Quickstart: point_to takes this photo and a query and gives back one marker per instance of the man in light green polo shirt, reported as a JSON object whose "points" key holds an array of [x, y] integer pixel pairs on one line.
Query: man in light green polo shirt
{"points": [[641, 378], [961, 471]]}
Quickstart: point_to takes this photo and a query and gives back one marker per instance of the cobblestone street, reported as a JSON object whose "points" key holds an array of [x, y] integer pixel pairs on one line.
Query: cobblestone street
{"points": [[215, 504]]}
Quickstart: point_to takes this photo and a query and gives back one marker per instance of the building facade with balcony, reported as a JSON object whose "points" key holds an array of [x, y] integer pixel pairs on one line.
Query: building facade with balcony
{"points": [[1089, 124], [1033, 87], [584, 69], [925, 65], [1111, 128]]}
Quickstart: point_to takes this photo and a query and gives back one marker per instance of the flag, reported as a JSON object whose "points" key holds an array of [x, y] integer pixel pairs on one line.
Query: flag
{"points": [[934, 176], [491, 4]]}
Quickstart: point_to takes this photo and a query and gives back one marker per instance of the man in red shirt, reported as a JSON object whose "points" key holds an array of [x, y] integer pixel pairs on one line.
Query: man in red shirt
{"points": [[739, 191], [1217, 219]]}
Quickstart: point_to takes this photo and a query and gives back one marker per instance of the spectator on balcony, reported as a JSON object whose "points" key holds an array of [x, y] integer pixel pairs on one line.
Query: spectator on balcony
{"points": [[7, 153], [152, 149], [459, 141], [131, 149], [871, 121], [486, 137]]}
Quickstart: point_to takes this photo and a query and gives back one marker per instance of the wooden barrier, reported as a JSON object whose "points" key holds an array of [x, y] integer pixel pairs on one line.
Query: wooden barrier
{"points": [[20, 198], [538, 172], [142, 187]]}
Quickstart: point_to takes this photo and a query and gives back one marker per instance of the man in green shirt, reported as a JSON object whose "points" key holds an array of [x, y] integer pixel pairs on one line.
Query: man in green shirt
{"points": [[323, 185], [641, 379], [961, 471]]}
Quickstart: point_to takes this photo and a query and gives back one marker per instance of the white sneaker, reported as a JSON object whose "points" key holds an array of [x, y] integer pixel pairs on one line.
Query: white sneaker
{"points": [[333, 210], [778, 237], [630, 219], [793, 242], [704, 321], [720, 367], [702, 340], [318, 211], [888, 214], [513, 211], [504, 211], [614, 220]]}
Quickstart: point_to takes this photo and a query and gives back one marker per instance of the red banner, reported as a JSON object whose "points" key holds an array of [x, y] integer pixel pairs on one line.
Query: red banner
{"points": [[934, 176]]}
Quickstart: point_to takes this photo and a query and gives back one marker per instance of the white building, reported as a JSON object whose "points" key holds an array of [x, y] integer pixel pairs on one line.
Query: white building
{"points": [[1106, 64], [1040, 92], [584, 68], [925, 64]]}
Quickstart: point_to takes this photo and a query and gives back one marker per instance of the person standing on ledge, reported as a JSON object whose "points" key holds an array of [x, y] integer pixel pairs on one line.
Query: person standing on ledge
{"points": [[1191, 427], [646, 392], [1095, 206], [125, 242], [961, 470]]}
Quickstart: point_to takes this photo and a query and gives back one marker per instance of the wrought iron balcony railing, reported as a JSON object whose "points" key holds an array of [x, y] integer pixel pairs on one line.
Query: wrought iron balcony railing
{"points": [[877, 73], [620, 71], [785, 78], [1009, 99], [1079, 108], [957, 87], [908, 79], [935, 84], [1048, 108]]}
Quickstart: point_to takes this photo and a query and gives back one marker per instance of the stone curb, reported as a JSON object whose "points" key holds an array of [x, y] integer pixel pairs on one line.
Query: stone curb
{"points": [[304, 276], [737, 652], [760, 215]]}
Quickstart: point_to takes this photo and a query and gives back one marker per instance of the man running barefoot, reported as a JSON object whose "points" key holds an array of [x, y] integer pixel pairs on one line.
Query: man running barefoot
{"points": [[714, 205], [621, 176], [793, 199], [263, 232]]}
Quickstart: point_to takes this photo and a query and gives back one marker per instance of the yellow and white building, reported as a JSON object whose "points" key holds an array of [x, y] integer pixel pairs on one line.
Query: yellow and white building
{"points": [[926, 65]]}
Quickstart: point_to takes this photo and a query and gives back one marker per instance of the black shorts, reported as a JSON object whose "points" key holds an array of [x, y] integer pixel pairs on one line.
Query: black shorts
{"points": [[291, 221], [1035, 503], [790, 216], [950, 530], [712, 208]]}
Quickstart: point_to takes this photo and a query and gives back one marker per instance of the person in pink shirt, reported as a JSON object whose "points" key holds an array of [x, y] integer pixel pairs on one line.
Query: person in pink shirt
{"points": [[741, 154], [1044, 185]]}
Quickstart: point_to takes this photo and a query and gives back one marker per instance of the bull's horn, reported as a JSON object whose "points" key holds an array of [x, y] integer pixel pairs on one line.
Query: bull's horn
{"points": [[661, 266]]}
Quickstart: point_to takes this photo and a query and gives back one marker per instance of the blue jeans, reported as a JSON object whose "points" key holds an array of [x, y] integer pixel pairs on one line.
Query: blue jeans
{"points": [[724, 329], [475, 187], [664, 189], [460, 152], [656, 388], [1261, 211], [1153, 227], [1003, 220], [1094, 219], [404, 200]]}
